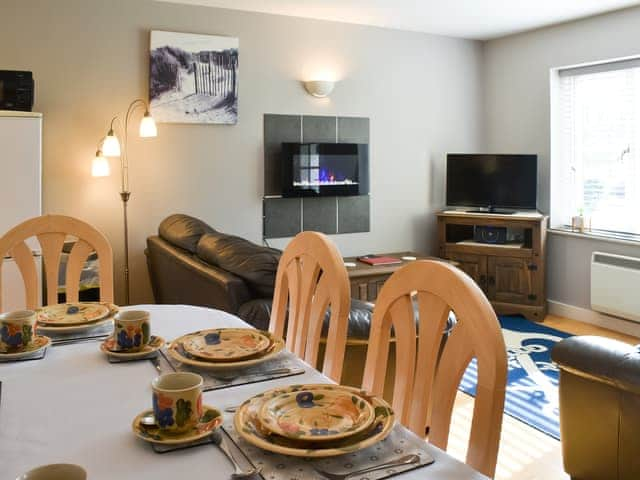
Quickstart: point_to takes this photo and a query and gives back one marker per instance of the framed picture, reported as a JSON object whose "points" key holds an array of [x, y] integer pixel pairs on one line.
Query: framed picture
{"points": [[193, 78]]}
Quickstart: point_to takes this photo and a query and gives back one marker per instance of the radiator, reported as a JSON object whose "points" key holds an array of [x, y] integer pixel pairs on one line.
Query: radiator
{"points": [[615, 285]]}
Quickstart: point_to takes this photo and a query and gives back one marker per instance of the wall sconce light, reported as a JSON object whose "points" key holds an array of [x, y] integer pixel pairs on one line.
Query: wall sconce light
{"points": [[319, 88]]}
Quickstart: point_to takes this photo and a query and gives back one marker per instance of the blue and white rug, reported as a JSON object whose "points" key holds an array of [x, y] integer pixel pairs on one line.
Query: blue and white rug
{"points": [[532, 383]]}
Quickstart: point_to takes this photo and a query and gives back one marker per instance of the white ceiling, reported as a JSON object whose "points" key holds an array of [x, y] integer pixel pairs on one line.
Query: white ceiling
{"points": [[476, 19]]}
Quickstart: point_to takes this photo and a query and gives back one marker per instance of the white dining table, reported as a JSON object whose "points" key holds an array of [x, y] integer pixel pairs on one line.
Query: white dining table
{"points": [[76, 407]]}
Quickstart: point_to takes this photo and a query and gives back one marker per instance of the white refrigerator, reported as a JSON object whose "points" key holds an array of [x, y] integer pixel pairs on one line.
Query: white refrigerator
{"points": [[20, 191]]}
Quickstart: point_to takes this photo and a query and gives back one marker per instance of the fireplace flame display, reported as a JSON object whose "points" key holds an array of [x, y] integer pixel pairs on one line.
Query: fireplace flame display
{"points": [[324, 177], [325, 169]]}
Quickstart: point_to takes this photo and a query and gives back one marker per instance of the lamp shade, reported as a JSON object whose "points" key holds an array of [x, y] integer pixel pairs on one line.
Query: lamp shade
{"points": [[319, 88], [148, 126], [100, 166], [111, 145]]}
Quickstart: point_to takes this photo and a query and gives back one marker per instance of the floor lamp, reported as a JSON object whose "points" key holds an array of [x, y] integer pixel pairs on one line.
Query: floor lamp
{"points": [[111, 147]]}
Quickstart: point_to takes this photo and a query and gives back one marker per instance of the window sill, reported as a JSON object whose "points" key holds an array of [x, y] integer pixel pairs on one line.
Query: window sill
{"points": [[621, 238]]}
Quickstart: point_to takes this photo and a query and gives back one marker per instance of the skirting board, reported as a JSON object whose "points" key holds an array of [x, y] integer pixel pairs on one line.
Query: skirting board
{"points": [[595, 318]]}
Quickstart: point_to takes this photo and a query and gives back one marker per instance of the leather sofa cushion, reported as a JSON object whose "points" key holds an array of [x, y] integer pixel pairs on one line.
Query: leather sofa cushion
{"points": [[255, 264], [258, 312], [183, 231]]}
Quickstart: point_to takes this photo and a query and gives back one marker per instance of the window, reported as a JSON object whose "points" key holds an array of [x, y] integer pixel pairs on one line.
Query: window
{"points": [[596, 146]]}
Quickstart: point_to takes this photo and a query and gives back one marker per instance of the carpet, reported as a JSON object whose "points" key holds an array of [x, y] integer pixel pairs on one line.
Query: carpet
{"points": [[532, 383]]}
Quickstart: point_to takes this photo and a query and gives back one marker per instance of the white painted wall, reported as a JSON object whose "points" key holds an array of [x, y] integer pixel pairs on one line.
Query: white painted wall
{"points": [[90, 59], [517, 119]]}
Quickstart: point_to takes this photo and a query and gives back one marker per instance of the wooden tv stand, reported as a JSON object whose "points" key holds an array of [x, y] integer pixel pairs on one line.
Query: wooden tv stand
{"points": [[511, 275]]}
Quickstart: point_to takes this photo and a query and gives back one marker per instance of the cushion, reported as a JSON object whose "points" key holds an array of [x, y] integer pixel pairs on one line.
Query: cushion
{"points": [[255, 264], [257, 313], [183, 231]]}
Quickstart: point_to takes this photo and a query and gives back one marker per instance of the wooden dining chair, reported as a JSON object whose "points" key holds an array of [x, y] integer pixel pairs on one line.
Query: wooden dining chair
{"points": [[51, 232], [426, 381], [312, 277]]}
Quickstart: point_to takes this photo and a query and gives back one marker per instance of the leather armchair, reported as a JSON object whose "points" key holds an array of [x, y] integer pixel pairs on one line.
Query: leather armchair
{"points": [[599, 408]]}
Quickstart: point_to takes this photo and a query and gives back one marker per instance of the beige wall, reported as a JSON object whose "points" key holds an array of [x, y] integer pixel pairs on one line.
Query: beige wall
{"points": [[89, 58], [517, 118]]}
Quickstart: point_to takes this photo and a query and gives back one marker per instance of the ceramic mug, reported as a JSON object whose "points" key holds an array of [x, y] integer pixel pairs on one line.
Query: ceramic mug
{"points": [[17, 330], [56, 471], [177, 401], [131, 331]]}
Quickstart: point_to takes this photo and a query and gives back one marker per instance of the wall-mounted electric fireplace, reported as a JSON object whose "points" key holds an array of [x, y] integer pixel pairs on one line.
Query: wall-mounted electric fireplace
{"points": [[325, 169]]}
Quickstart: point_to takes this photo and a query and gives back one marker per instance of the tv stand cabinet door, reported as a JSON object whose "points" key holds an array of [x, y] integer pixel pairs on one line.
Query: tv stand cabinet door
{"points": [[511, 280], [473, 265]]}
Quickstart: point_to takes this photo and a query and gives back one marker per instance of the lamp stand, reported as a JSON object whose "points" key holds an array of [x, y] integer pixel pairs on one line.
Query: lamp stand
{"points": [[125, 193], [147, 129], [125, 199]]}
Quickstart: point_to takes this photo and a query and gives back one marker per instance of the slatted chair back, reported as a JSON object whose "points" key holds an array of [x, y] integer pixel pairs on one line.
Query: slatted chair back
{"points": [[426, 383], [312, 277], [51, 232]]}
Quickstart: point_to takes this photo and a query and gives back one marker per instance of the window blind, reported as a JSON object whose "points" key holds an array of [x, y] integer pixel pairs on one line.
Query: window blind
{"points": [[599, 136]]}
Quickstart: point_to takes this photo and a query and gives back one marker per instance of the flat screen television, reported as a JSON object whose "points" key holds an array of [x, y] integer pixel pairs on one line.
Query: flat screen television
{"points": [[325, 169], [492, 182]]}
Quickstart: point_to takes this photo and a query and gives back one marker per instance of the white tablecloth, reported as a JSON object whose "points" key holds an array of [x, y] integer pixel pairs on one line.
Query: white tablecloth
{"points": [[75, 407]]}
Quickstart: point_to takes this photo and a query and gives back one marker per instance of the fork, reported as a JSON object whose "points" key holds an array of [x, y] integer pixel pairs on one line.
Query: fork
{"points": [[397, 462], [239, 474], [69, 341]]}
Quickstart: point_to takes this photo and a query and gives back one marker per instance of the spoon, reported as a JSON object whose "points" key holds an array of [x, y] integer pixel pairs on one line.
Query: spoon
{"points": [[149, 420], [397, 462]]}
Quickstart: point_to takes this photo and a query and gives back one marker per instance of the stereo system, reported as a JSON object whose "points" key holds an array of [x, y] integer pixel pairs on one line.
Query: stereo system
{"points": [[498, 235], [16, 90], [486, 234]]}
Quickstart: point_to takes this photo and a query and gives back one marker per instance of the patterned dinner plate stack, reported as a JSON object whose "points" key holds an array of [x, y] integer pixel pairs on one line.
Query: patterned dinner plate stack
{"points": [[225, 348], [314, 420], [74, 317]]}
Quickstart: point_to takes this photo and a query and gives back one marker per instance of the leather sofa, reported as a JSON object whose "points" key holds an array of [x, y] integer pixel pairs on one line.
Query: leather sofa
{"points": [[191, 263], [599, 408]]}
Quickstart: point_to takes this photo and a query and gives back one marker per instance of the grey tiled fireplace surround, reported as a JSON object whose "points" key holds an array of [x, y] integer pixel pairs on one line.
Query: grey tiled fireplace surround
{"points": [[285, 217]]}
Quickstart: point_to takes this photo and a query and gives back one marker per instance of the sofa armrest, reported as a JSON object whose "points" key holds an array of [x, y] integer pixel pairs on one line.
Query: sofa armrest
{"points": [[235, 290], [178, 277], [600, 359]]}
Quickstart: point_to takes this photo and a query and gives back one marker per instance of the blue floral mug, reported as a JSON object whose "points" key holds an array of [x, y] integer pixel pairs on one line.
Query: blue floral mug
{"points": [[16, 330], [131, 331], [177, 401]]}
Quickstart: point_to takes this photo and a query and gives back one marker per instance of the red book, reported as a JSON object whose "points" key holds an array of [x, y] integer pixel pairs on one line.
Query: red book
{"points": [[378, 260]]}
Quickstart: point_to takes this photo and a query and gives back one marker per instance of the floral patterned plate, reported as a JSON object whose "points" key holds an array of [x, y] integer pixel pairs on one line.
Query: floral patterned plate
{"points": [[209, 421], [39, 342], [321, 413], [113, 309], [248, 425], [226, 344], [155, 344], [176, 351], [72, 313]]}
